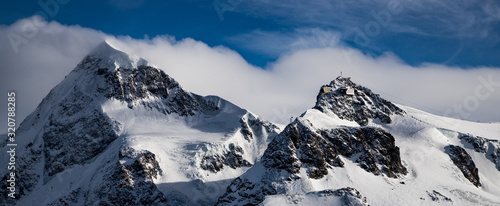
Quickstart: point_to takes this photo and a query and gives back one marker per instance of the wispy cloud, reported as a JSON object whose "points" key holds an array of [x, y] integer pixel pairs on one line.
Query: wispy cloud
{"points": [[444, 18]]}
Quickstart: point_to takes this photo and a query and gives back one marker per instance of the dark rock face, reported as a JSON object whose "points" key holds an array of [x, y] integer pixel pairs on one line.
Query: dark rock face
{"points": [[144, 165], [297, 146], [246, 131], [465, 163], [300, 145], [232, 158], [490, 147], [75, 142], [245, 192], [438, 197], [136, 84], [252, 126], [360, 107], [377, 147], [133, 85], [77, 131], [349, 196], [130, 183], [213, 163]]}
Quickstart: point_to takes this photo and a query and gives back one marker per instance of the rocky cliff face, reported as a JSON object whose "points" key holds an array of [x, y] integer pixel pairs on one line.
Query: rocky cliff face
{"points": [[360, 107], [137, 86], [130, 181], [465, 163], [126, 179], [300, 145], [490, 147], [232, 158], [348, 196], [252, 128]]}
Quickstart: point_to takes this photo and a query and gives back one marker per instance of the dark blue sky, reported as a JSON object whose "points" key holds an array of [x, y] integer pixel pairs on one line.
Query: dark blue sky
{"points": [[456, 34]]}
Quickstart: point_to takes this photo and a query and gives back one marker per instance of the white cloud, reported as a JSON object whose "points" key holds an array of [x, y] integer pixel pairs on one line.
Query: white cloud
{"points": [[287, 87], [275, 44]]}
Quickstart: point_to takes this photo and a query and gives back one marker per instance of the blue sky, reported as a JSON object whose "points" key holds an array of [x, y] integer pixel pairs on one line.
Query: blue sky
{"points": [[456, 33]]}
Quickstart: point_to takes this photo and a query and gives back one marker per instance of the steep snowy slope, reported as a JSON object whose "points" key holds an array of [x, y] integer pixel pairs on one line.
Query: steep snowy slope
{"points": [[119, 131], [404, 157]]}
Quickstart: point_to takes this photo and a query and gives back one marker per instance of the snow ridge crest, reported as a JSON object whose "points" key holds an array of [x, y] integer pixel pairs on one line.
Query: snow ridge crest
{"points": [[112, 57]]}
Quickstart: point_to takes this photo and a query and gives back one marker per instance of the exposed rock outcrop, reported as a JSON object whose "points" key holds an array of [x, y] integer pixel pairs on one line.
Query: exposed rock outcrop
{"points": [[300, 145], [490, 147], [233, 158], [360, 107], [464, 162], [130, 182], [348, 196], [438, 197]]}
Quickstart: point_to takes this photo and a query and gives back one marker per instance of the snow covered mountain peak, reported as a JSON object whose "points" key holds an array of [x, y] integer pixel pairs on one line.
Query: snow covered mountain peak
{"points": [[329, 156], [119, 125], [114, 58], [341, 81], [350, 101]]}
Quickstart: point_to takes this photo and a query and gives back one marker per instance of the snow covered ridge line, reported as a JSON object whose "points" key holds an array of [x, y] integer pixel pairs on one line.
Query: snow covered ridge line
{"points": [[111, 58]]}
